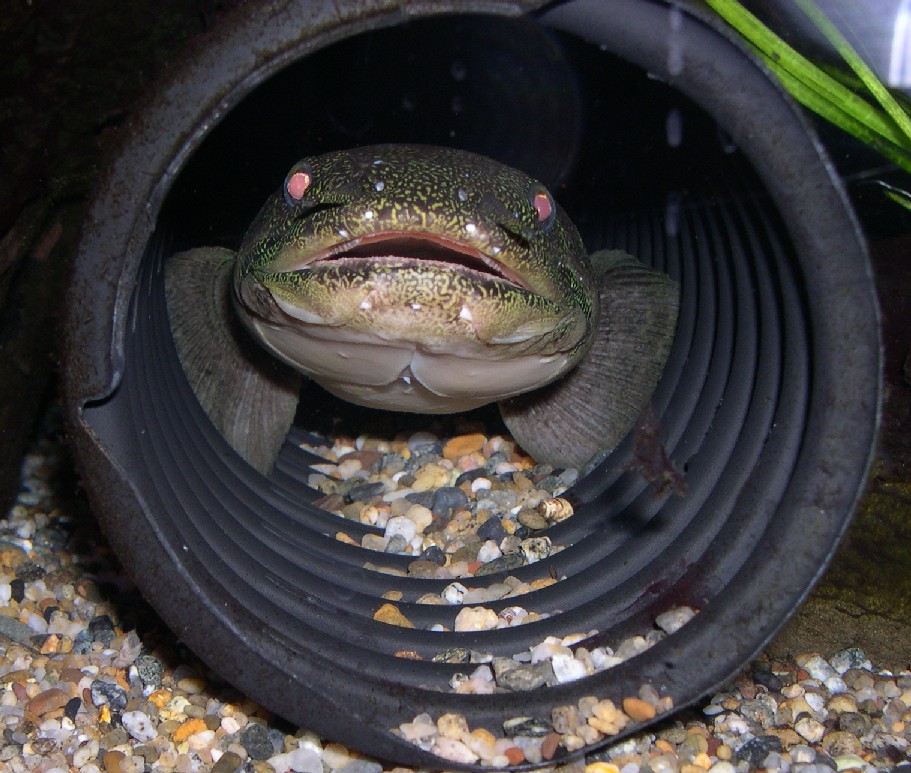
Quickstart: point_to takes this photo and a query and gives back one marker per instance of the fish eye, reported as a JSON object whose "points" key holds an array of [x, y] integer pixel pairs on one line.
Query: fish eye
{"points": [[297, 183], [545, 208]]}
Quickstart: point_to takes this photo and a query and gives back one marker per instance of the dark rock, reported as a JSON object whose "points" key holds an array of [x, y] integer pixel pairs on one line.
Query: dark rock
{"points": [[501, 564], [109, 693], [470, 475], [29, 572], [757, 749], [228, 763], [72, 708], [102, 629], [17, 589], [854, 723], [527, 726], [365, 492], [763, 675], [256, 740], [82, 644], [150, 670], [435, 555], [447, 499], [491, 529], [424, 498]]}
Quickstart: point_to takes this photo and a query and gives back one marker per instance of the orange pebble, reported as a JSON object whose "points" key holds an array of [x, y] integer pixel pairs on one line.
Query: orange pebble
{"points": [[189, 727], [160, 698], [515, 755]]}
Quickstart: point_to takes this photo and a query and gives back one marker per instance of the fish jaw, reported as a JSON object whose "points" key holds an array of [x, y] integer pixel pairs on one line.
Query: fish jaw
{"points": [[411, 334]]}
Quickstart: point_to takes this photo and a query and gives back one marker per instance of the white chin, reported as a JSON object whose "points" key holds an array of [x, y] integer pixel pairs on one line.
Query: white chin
{"points": [[399, 376]]}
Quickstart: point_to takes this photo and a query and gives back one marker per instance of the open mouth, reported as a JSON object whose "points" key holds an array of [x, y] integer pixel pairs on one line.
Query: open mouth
{"points": [[400, 249]]}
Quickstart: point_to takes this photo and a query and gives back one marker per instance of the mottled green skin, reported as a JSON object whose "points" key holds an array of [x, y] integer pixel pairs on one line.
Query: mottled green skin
{"points": [[446, 194]]}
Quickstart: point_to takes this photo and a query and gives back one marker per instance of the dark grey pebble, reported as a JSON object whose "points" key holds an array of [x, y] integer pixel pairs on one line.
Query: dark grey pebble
{"points": [[397, 544], [492, 529], [550, 483], [393, 463], [229, 762], [496, 458], [102, 629], [49, 612], [72, 708], [362, 766], [365, 492], [82, 644], [29, 572], [470, 475], [456, 655], [764, 676], [527, 726], [501, 564], [757, 749], [424, 498], [17, 589], [435, 555], [523, 677], [13, 629], [416, 462], [150, 670], [854, 723], [824, 759], [503, 499], [256, 740], [110, 693], [447, 499]]}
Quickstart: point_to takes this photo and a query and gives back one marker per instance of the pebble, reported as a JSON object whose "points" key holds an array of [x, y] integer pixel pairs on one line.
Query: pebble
{"points": [[98, 694]]}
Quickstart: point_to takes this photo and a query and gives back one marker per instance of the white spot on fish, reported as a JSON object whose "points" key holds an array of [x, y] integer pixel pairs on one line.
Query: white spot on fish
{"points": [[463, 196], [343, 233], [379, 185], [416, 306], [365, 304], [470, 227], [377, 161], [465, 314], [368, 214], [495, 250]]}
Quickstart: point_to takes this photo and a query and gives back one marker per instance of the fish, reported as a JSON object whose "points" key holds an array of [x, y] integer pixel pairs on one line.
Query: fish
{"points": [[426, 280]]}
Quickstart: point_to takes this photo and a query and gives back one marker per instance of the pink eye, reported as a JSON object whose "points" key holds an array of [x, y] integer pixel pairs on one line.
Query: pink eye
{"points": [[543, 206], [297, 185]]}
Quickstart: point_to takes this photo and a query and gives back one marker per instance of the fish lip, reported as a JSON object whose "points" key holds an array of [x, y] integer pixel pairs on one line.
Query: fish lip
{"points": [[405, 245]]}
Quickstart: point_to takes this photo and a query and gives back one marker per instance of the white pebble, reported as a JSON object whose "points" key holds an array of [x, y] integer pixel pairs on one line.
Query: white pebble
{"points": [[480, 483], [674, 619], [422, 516], [819, 668], [489, 551], [810, 729], [567, 668], [476, 619], [454, 593], [401, 526], [6, 593], [139, 725], [453, 750], [301, 760]]}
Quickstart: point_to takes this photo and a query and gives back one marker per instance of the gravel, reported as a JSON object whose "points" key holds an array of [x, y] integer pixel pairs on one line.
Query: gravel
{"points": [[91, 681]]}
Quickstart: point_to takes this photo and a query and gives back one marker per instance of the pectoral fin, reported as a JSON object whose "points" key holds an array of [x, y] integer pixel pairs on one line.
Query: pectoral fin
{"points": [[249, 396], [582, 416]]}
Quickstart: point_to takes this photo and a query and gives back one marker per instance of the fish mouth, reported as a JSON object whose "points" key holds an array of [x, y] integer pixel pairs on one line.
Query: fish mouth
{"points": [[401, 249]]}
